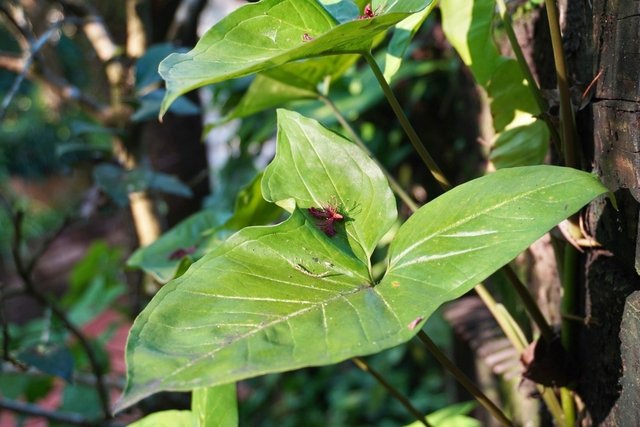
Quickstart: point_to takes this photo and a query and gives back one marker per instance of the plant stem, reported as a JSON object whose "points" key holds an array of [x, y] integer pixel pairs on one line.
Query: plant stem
{"points": [[508, 325], [568, 331], [528, 75], [395, 186], [404, 122], [464, 380], [517, 338], [360, 363], [530, 305], [566, 109], [6, 336], [569, 145], [568, 407]]}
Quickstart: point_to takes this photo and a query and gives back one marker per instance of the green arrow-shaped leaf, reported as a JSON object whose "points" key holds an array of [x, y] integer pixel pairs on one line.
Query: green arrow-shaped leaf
{"points": [[277, 298], [259, 36]]}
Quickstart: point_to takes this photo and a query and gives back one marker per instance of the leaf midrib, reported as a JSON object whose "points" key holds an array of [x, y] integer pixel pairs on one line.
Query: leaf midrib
{"points": [[394, 263], [232, 341]]}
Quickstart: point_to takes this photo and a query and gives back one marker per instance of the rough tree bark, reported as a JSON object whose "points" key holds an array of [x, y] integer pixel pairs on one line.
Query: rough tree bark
{"points": [[606, 40]]}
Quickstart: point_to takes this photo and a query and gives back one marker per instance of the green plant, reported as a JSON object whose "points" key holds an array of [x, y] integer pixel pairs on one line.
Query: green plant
{"points": [[279, 297]]}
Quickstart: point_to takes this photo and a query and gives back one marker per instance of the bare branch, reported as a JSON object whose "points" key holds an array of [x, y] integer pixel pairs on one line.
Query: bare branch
{"points": [[56, 416], [77, 377], [45, 300], [33, 50], [98, 35], [6, 336]]}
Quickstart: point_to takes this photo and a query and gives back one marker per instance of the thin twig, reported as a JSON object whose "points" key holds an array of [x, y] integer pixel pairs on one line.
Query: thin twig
{"points": [[47, 301], [58, 85], [67, 418], [34, 49], [360, 363], [464, 380], [114, 383], [16, 16], [46, 244], [6, 335]]}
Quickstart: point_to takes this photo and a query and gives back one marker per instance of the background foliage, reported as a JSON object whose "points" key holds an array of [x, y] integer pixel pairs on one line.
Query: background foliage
{"points": [[92, 142]]}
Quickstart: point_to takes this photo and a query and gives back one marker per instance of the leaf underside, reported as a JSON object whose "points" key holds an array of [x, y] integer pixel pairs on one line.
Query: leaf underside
{"points": [[276, 298], [270, 33]]}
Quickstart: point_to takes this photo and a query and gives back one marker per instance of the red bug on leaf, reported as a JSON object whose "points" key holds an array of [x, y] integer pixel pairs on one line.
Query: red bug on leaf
{"points": [[327, 217], [181, 253], [368, 12]]}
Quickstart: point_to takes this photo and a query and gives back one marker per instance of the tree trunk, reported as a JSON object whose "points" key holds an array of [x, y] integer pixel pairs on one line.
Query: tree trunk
{"points": [[609, 358]]}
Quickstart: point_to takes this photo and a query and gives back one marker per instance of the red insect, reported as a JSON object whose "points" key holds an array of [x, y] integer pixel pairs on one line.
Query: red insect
{"points": [[327, 217], [181, 253], [368, 12]]}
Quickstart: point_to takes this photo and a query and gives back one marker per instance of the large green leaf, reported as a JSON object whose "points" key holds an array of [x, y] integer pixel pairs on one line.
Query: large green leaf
{"points": [[317, 168], [463, 236], [281, 297], [270, 33], [269, 299], [468, 25]]}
